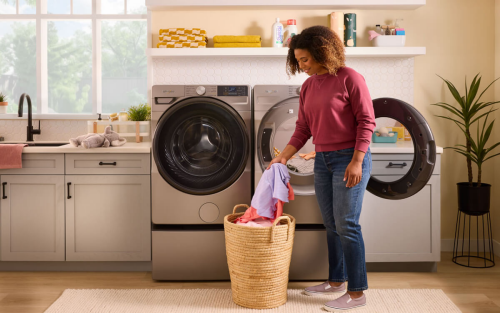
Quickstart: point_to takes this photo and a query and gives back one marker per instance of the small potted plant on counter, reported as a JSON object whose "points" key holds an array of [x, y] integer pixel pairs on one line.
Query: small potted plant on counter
{"points": [[473, 197], [140, 113], [3, 103]]}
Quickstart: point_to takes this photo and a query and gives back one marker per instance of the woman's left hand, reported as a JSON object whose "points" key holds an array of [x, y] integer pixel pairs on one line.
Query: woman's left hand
{"points": [[353, 173]]}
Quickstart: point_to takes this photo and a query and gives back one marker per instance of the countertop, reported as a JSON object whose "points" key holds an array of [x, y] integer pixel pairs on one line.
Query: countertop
{"points": [[129, 147], [145, 147], [398, 147]]}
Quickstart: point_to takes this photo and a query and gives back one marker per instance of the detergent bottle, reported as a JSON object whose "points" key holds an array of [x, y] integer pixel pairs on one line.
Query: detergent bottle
{"points": [[277, 35], [290, 31]]}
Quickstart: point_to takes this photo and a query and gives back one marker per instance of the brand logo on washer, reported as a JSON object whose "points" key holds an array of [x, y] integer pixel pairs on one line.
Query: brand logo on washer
{"points": [[168, 91]]}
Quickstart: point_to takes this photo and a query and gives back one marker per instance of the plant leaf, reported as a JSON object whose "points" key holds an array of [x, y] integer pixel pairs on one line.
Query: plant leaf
{"points": [[490, 157], [454, 92], [486, 89], [451, 119], [450, 108], [474, 120], [473, 91]]}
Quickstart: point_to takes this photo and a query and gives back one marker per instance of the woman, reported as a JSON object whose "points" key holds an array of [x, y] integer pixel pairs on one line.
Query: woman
{"points": [[337, 111]]}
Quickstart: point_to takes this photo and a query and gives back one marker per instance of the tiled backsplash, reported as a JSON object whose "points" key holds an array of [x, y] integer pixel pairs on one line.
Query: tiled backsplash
{"points": [[385, 77], [52, 130]]}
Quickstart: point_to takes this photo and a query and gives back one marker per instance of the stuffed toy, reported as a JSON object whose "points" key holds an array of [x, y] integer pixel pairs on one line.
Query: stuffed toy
{"points": [[106, 139]]}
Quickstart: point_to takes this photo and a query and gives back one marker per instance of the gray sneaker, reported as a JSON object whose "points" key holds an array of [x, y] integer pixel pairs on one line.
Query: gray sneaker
{"points": [[324, 289], [345, 302]]}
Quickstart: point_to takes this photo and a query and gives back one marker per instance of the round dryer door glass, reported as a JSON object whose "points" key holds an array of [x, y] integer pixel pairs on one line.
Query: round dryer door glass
{"points": [[276, 128], [401, 178], [201, 146]]}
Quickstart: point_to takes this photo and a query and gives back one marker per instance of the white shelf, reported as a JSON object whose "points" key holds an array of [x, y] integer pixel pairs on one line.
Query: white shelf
{"points": [[281, 52], [284, 4]]}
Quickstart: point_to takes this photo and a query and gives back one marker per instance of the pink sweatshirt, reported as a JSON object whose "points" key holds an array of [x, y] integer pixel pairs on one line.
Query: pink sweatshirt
{"points": [[337, 111]]}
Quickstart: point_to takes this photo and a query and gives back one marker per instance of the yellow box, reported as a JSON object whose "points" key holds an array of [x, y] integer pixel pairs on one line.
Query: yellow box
{"points": [[400, 131]]}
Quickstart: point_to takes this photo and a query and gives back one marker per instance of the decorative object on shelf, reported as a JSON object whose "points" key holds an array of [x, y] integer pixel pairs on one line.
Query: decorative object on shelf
{"points": [[106, 139], [249, 41], [182, 38], [387, 41], [350, 30], [337, 24], [123, 116], [3, 104], [473, 197], [391, 137]]}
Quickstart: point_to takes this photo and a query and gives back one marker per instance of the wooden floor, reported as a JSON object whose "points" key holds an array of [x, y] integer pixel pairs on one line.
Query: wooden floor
{"points": [[472, 290]]}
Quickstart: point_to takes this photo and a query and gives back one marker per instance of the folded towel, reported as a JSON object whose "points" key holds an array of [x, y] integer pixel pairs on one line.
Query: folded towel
{"points": [[184, 38], [180, 44], [232, 39], [182, 31], [237, 45], [11, 155]]}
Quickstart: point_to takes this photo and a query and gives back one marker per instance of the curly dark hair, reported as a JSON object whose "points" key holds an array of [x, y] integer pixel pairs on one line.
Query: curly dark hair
{"points": [[323, 44]]}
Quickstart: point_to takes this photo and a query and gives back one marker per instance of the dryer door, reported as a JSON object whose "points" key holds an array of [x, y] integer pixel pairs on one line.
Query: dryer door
{"points": [[424, 156], [201, 145], [275, 130], [281, 117]]}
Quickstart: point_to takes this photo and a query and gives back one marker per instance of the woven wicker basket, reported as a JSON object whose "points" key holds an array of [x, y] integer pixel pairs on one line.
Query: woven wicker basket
{"points": [[259, 260]]}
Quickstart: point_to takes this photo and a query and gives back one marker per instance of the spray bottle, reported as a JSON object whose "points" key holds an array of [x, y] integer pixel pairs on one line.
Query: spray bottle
{"points": [[277, 35]]}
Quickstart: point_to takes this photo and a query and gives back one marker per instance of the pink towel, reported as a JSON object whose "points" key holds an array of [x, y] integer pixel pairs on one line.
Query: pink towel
{"points": [[11, 155]]}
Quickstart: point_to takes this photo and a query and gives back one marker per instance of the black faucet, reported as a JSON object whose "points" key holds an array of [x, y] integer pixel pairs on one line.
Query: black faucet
{"points": [[31, 131]]}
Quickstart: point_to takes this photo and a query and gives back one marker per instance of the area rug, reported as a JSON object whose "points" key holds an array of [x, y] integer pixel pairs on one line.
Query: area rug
{"points": [[219, 301]]}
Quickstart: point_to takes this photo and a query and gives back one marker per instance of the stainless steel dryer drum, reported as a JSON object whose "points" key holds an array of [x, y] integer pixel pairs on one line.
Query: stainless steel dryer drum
{"points": [[201, 168]]}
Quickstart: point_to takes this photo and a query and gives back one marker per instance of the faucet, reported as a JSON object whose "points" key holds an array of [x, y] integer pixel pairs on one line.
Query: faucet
{"points": [[31, 131]]}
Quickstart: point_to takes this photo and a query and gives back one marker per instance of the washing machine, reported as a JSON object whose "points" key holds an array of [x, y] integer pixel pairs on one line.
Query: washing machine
{"points": [[276, 110], [201, 168]]}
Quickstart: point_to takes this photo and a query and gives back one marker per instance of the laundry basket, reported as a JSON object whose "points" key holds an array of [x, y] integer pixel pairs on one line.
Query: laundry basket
{"points": [[259, 260]]}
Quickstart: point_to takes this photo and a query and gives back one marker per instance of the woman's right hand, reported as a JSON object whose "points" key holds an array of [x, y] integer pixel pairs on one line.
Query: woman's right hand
{"points": [[279, 159]]}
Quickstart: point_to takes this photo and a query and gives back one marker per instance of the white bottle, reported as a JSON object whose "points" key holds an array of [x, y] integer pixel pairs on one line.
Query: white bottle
{"points": [[277, 36], [290, 31]]}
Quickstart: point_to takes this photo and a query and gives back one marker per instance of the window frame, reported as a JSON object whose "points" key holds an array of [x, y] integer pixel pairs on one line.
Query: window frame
{"points": [[96, 19]]}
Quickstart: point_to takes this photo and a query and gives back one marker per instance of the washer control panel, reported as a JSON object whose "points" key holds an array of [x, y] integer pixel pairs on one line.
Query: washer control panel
{"points": [[232, 91]]}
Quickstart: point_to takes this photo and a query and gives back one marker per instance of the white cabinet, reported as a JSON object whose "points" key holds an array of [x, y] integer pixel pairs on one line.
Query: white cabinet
{"points": [[108, 218], [32, 218]]}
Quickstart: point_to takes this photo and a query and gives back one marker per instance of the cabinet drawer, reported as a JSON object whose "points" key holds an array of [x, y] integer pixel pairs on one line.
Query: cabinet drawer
{"points": [[397, 164], [392, 167], [101, 163], [39, 163]]}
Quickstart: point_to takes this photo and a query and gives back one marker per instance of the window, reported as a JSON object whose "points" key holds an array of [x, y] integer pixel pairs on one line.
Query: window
{"points": [[74, 56]]}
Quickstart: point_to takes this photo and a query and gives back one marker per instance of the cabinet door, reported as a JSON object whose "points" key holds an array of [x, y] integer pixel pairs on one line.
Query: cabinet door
{"points": [[32, 218], [108, 218], [402, 230]]}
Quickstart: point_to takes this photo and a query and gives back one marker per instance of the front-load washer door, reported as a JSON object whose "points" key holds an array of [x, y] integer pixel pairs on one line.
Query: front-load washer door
{"points": [[278, 125], [201, 145], [275, 130], [424, 156]]}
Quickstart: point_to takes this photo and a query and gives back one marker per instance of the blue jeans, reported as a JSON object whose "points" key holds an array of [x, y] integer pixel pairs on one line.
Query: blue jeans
{"points": [[341, 207]]}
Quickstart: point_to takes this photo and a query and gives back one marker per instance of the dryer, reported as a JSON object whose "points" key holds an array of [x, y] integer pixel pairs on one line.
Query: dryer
{"points": [[201, 168], [275, 113]]}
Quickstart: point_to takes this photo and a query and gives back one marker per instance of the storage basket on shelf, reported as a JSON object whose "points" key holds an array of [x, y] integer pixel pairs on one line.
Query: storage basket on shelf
{"points": [[259, 260]]}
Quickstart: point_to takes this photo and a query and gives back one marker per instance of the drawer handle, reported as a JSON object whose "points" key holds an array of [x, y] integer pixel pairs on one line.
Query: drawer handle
{"points": [[3, 190], [401, 165], [69, 197], [102, 163]]}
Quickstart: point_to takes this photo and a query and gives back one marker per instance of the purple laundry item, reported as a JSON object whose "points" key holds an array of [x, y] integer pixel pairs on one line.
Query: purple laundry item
{"points": [[271, 188]]}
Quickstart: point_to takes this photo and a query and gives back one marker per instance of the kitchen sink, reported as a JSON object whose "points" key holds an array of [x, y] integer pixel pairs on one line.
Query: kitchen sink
{"points": [[40, 144]]}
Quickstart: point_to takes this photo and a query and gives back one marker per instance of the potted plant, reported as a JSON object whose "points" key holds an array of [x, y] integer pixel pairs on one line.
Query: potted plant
{"points": [[141, 112], [473, 197], [3, 103]]}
